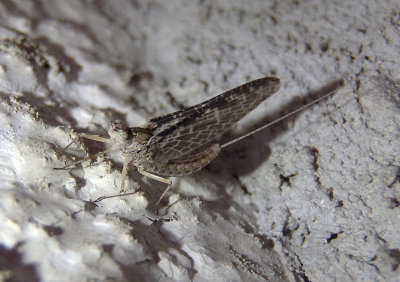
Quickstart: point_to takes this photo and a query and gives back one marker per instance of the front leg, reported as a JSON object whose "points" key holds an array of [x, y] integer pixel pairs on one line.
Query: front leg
{"points": [[124, 174]]}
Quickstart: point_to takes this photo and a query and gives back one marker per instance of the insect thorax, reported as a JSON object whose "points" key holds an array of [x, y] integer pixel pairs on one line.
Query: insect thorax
{"points": [[134, 144]]}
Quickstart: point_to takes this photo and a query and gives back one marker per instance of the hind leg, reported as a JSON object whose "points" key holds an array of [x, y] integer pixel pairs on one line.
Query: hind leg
{"points": [[158, 178]]}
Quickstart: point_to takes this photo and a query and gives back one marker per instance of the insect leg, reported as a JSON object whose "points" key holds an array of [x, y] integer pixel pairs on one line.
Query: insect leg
{"points": [[158, 178], [95, 138], [88, 158], [124, 173]]}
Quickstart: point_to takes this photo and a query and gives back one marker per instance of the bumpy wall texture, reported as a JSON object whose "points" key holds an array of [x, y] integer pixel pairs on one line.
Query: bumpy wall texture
{"points": [[315, 197]]}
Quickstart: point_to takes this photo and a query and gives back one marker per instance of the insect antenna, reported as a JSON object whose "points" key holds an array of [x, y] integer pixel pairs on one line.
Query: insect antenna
{"points": [[335, 85]]}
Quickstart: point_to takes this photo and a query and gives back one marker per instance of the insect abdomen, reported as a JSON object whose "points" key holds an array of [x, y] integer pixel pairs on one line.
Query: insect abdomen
{"points": [[190, 164]]}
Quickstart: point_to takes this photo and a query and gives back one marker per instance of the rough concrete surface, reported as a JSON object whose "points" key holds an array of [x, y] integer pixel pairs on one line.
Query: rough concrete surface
{"points": [[313, 198]]}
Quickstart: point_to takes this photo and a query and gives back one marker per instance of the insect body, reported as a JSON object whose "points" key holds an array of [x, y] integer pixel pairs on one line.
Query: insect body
{"points": [[180, 143], [183, 142]]}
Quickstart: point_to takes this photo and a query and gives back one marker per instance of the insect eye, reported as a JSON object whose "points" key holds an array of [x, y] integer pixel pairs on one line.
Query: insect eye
{"points": [[123, 134], [119, 130], [142, 136]]}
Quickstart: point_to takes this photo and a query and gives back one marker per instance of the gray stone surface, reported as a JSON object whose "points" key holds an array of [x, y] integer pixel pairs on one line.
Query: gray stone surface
{"points": [[315, 198]]}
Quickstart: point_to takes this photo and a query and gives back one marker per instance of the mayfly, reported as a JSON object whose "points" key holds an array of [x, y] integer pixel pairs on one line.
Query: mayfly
{"points": [[183, 142]]}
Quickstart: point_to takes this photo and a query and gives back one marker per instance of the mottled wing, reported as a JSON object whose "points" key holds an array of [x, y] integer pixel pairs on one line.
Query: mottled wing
{"points": [[179, 133]]}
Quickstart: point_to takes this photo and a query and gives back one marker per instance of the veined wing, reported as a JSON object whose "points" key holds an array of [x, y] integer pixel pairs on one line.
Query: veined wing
{"points": [[177, 134]]}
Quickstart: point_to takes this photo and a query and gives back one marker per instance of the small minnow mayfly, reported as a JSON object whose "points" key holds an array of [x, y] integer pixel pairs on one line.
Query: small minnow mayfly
{"points": [[183, 142]]}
